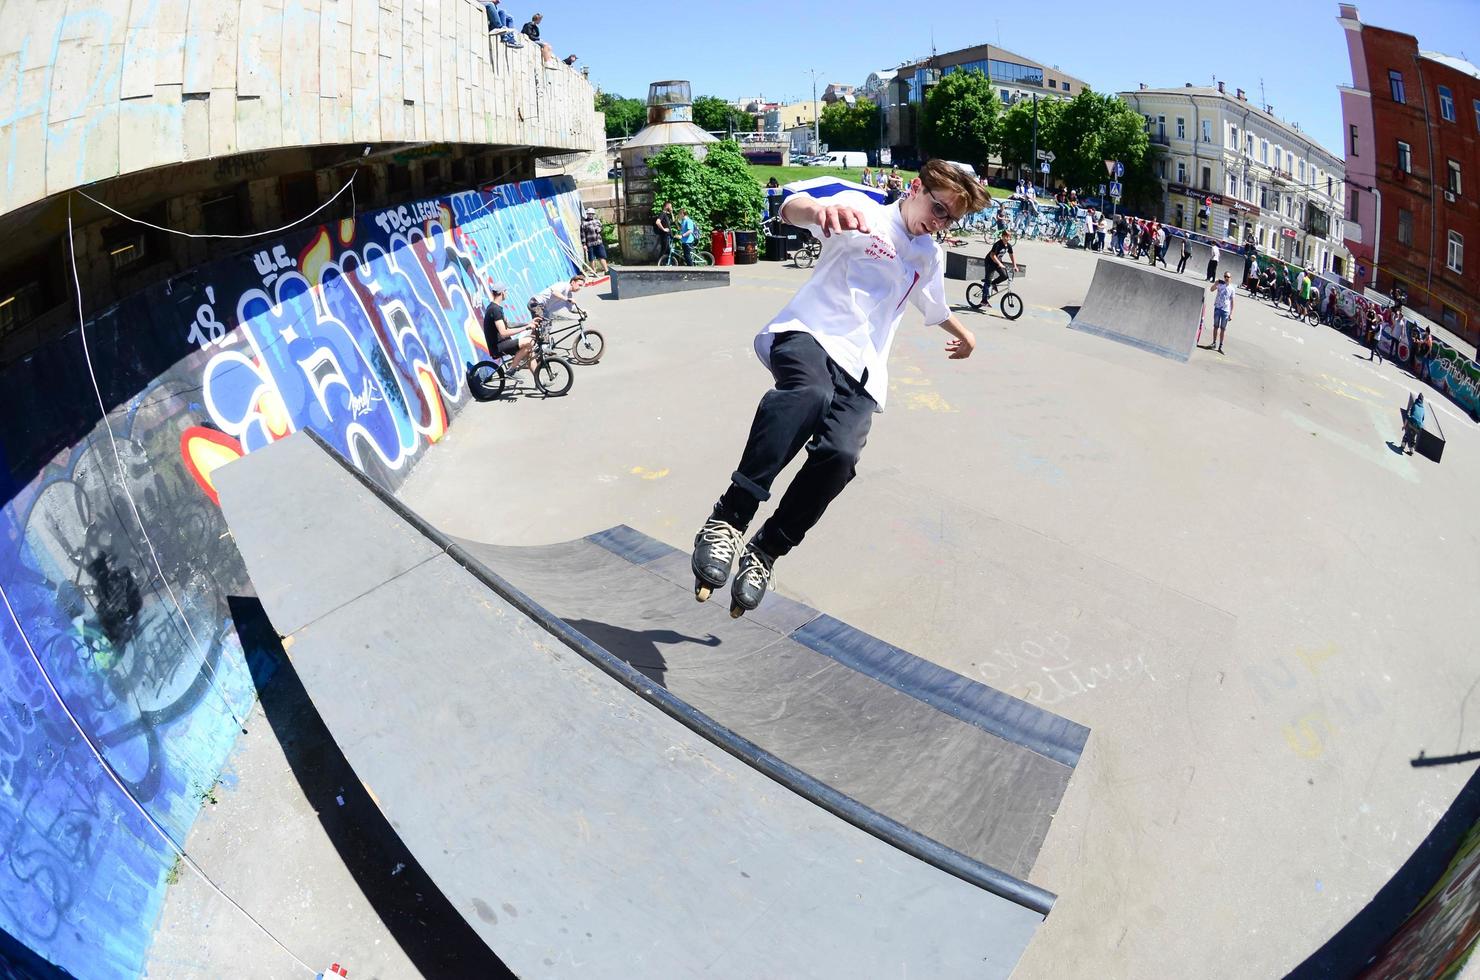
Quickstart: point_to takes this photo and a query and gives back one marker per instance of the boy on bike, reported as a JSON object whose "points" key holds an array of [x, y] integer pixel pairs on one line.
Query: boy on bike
{"points": [[828, 351], [501, 338], [996, 268]]}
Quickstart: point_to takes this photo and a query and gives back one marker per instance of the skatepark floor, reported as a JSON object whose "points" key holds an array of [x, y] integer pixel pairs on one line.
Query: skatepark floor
{"points": [[1221, 567]]}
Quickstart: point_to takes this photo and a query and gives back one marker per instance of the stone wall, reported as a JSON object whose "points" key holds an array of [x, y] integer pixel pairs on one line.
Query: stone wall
{"points": [[91, 89]]}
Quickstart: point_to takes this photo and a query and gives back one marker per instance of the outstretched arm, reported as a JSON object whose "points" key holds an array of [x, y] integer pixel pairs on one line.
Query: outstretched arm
{"points": [[803, 210]]}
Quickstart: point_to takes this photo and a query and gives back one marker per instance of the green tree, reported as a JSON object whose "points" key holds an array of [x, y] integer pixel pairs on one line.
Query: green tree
{"points": [[1015, 131], [1093, 128], [960, 118], [718, 192], [623, 116], [845, 127], [715, 115]]}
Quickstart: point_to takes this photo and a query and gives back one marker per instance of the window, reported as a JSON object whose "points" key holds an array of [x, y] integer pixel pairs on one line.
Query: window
{"points": [[1352, 210], [1279, 156], [1446, 103], [1066, 86], [1395, 85], [1456, 261], [1261, 236], [1328, 185], [1264, 151], [1264, 198], [1182, 125], [1207, 136], [1405, 227], [1161, 169], [1405, 157], [1180, 215], [1207, 181], [1450, 317], [1161, 128], [1232, 229], [1249, 144], [1477, 115], [1052, 83], [1005, 97], [19, 305], [1454, 178], [1300, 170], [1181, 172], [1232, 186], [1354, 130], [1233, 130]]}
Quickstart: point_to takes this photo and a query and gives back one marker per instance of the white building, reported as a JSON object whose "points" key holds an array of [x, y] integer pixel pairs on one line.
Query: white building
{"points": [[1237, 172]]}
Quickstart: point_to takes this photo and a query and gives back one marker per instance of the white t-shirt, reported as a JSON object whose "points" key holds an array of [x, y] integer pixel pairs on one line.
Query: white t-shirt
{"points": [[555, 300], [855, 299], [1223, 298], [1213, 253]]}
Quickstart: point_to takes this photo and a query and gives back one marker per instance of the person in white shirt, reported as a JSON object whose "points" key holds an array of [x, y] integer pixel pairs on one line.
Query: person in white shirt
{"points": [[828, 351], [1213, 262], [1222, 310], [557, 299]]}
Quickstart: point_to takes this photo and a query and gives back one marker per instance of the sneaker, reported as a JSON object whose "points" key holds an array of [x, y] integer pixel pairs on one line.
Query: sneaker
{"points": [[752, 579], [715, 548]]}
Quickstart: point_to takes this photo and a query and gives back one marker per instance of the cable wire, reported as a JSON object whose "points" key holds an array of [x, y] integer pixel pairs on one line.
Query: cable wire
{"points": [[123, 482], [190, 234]]}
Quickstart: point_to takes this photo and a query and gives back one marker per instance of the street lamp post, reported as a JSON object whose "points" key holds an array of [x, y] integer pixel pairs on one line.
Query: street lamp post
{"points": [[816, 116]]}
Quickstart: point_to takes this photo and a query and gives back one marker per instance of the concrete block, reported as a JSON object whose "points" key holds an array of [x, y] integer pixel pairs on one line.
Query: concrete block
{"points": [[154, 130], [330, 41], [22, 175], [959, 265], [631, 282], [196, 134], [137, 80], [259, 124], [364, 26]]}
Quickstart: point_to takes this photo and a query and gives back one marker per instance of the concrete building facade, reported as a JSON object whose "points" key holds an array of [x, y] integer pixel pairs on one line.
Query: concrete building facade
{"points": [[1411, 122], [215, 118], [1013, 76], [1237, 172]]}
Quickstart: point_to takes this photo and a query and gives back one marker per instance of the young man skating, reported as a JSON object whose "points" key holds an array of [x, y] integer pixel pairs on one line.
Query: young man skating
{"points": [[828, 351]]}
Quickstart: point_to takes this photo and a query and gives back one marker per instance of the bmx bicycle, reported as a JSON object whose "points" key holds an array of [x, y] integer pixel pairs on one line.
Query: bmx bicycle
{"points": [[573, 341], [553, 376], [674, 256], [1010, 303]]}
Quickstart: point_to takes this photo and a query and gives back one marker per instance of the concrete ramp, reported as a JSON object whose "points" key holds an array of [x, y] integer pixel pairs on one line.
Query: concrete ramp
{"points": [[633, 281], [1146, 308], [630, 812]]}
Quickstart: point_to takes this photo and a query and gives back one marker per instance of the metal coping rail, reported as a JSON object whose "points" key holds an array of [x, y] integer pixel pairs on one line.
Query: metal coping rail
{"points": [[887, 829]]}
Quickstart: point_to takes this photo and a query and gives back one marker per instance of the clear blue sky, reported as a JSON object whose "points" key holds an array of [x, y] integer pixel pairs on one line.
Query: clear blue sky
{"points": [[765, 47]]}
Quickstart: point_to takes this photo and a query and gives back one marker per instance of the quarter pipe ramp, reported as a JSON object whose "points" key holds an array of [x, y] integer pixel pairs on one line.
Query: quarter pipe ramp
{"points": [[650, 788], [1145, 308]]}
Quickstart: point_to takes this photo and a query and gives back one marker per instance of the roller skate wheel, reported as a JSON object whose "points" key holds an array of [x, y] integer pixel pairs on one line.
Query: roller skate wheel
{"points": [[702, 591], [736, 610]]}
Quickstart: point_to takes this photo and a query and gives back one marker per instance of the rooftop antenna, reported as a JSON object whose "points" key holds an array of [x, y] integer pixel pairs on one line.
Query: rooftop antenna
{"points": [[999, 38], [1262, 100]]}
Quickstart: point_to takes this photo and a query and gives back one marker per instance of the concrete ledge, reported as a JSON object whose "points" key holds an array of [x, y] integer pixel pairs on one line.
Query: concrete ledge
{"points": [[630, 282], [959, 265]]}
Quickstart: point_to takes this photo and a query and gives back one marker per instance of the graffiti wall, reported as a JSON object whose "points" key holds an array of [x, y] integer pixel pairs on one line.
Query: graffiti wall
{"points": [[116, 566]]}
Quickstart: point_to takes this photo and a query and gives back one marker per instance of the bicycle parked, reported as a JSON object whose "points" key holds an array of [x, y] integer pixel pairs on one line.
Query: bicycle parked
{"points": [[675, 256], [552, 372]]}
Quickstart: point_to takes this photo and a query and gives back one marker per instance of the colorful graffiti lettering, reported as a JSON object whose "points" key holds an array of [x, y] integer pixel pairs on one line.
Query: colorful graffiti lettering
{"points": [[1457, 376], [360, 330]]}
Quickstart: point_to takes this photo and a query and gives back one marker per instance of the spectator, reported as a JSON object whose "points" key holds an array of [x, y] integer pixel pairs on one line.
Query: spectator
{"points": [[686, 234], [1163, 242], [531, 30], [1105, 226], [663, 225], [1249, 263], [1374, 326], [1186, 253], [570, 60], [868, 177], [502, 24], [1122, 228], [772, 184], [595, 244], [1222, 309], [1213, 261], [1413, 424]]}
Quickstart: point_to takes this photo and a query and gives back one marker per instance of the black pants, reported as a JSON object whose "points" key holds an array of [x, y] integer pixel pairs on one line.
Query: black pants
{"points": [[995, 274], [665, 244], [1212, 270], [814, 404], [1182, 263]]}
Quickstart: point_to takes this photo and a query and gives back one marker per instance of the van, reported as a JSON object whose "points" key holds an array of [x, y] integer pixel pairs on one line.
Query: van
{"points": [[856, 159]]}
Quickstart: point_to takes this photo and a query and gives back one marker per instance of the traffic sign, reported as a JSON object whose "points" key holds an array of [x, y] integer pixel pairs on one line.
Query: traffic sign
{"points": [[1115, 188], [1046, 155], [1102, 190], [1043, 166], [1109, 168], [1119, 170]]}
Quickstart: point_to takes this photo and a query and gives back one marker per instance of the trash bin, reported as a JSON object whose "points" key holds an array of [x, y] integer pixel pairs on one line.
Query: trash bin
{"points": [[745, 248], [722, 244], [776, 248]]}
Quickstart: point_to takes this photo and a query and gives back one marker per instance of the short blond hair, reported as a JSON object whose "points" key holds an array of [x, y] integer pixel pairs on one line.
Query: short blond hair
{"points": [[939, 175]]}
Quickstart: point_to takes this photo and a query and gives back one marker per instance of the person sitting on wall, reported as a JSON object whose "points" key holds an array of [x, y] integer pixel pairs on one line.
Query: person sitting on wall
{"points": [[501, 338], [501, 24], [531, 30], [570, 60]]}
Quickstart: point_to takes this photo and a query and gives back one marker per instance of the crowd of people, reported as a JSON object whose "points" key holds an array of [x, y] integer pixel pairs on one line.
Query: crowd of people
{"points": [[891, 183]]}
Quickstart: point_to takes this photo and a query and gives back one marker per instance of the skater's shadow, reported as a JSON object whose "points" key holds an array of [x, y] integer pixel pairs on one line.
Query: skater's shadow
{"points": [[1395, 447], [638, 648], [1073, 311]]}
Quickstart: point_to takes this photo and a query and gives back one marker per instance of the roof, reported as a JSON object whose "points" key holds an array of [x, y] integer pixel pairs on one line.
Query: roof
{"points": [[1458, 64], [1254, 110]]}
